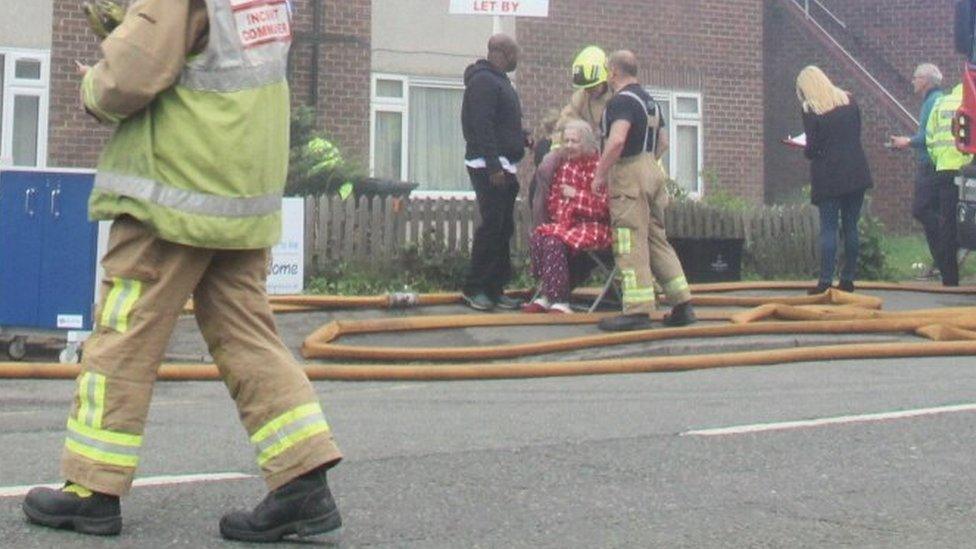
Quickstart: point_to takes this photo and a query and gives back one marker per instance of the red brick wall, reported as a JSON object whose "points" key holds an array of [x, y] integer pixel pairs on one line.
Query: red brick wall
{"points": [[344, 72], [696, 45], [906, 32], [897, 30], [74, 139], [343, 105]]}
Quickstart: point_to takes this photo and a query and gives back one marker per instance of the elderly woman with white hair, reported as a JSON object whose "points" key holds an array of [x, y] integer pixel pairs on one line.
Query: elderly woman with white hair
{"points": [[579, 219]]}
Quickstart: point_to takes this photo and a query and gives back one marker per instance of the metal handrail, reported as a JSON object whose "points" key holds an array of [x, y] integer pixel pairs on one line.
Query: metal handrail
{"points": [[851, 58], [806, 8]]}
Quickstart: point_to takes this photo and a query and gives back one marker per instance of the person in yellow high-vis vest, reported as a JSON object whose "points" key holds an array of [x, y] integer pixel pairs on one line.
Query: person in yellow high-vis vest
{"points": [[947, 159], [192, 179]]}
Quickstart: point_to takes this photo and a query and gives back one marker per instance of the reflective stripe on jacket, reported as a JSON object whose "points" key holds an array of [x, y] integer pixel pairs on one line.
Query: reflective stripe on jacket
{"points": [[939, 140], [205, 163]]}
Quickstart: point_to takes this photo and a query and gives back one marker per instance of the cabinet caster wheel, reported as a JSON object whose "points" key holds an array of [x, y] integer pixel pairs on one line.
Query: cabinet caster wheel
{"points": [[17, 348], [69, 356]]}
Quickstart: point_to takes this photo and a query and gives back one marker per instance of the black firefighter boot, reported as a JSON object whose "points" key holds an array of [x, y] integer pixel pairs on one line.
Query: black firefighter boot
{"points": [[74, 507], [302, 507], [626, 323], [681, 314]]}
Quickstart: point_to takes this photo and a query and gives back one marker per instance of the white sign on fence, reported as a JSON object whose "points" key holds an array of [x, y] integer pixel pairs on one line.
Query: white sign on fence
{"points": [[286, 272], [517, 8]]}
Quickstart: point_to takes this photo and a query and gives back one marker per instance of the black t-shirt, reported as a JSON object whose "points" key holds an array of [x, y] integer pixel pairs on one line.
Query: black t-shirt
{"points": [[623, 106]]}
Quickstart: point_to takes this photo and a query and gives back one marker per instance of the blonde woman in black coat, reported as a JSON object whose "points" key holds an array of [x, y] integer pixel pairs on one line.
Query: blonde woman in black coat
{"points": [[839, 172]]}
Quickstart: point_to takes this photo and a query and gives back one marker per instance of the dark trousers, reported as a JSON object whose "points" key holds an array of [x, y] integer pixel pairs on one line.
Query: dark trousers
{"points": [[846, 208], [947, 247], [925, 207], [491, 262], [557, 269]]}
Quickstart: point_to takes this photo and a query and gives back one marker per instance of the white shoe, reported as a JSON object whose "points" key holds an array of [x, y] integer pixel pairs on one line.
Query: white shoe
{"points": [[560, 308]]}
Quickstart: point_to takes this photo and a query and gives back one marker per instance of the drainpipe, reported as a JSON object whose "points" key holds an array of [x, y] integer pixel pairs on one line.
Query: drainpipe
{"points": [[313, 87]]}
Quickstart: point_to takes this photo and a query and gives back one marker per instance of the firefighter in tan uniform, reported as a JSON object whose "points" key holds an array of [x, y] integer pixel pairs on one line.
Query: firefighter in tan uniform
{"points": [[592, 91], [631, 125], [193, 178]]}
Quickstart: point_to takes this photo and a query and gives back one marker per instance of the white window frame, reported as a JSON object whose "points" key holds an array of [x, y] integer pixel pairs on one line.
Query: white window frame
{"points": [[12, 87], [676, 120], [393, 105], [401, 105]]}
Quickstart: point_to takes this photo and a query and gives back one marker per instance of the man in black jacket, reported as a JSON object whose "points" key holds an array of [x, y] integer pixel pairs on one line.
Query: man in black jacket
{"points": [[491, 117]]}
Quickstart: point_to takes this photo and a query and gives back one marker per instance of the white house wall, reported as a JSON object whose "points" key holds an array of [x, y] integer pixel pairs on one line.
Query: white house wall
{"points": [[26, 24], [420, 38]]}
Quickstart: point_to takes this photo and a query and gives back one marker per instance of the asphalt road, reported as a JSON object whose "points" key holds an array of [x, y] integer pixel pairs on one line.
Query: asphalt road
{"points": [[568, 462], [601, 461]]}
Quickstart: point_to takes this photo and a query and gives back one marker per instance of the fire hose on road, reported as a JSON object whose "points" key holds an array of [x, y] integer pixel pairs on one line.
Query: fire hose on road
{"points": [[951, 331]]}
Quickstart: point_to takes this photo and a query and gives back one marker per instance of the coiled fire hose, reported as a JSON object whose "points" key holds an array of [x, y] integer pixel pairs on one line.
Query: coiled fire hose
{"points": [[951, 331]]}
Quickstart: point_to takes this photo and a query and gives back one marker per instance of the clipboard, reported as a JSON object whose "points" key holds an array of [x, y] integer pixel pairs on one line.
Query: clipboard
{"points": [[798, 142]]}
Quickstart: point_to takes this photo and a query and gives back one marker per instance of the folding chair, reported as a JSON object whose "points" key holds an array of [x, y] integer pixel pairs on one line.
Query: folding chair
{"points": [[605, 264]]}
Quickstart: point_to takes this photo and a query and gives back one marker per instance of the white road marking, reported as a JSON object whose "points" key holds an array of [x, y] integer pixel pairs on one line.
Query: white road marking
{"points": [[839, 420], [168, 480], [20, 413], [377, 389]]}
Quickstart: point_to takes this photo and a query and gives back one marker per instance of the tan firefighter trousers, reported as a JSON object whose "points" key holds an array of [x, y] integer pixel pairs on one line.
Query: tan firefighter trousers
{"points": [[147, 283], [641, 250]]}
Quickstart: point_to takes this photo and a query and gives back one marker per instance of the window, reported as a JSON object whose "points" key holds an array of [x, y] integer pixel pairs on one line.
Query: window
{"points": [[683, 161], [23, 107], [416, 132]]}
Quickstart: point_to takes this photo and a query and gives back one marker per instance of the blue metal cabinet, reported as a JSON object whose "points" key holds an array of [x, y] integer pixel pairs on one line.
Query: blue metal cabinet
{"points": [[47, 250]]}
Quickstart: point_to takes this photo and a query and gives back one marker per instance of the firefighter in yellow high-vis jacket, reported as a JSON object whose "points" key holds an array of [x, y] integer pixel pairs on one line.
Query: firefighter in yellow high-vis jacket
{"points": [[192, 179]]}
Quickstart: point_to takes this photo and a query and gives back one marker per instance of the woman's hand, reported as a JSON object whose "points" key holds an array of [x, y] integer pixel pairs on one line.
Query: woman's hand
{"points": [[599, 183], [568, 191], [900, 141]]}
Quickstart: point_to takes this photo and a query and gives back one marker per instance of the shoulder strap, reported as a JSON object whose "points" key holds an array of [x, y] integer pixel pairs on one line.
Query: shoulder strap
{"points": [[652, 124]]}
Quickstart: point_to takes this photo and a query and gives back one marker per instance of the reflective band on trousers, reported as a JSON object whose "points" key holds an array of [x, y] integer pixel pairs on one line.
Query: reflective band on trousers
{"points": [[622, 244], [91, 399], [103, 446], [675, 286], [639, 295], [118, 305], [233, 79], [628, 279], [185, 201], [288, 430]]}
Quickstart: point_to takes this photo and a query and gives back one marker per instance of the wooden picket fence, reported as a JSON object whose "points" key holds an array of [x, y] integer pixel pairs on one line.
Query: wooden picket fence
{"points": [[780, 239]]}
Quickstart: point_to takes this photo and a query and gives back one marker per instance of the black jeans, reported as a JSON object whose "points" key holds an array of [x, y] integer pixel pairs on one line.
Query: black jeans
{"points": [[947, 199], [491, 262], [925, 208]]}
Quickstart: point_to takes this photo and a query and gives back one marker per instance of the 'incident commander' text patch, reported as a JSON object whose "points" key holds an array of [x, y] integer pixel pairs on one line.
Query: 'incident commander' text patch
{"points": [[262, 21]]}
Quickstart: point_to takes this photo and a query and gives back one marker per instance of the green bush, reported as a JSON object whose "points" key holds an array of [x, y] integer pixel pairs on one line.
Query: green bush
{"points": [[872, 262], [786, 257], [316, 166], [718, 197], [426, 268], [724, 200], [675, 191]]}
